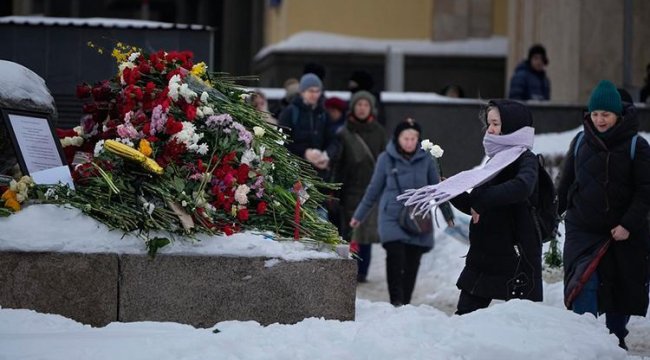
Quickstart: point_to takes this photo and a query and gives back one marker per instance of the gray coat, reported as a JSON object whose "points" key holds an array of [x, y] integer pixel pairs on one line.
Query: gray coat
{"points": [[418, 171]]}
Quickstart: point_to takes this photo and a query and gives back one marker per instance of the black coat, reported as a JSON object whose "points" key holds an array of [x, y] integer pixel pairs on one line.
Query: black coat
{"points": [[528, 84], [493, 268], [307, 129], [600, 188], [354, 169]]}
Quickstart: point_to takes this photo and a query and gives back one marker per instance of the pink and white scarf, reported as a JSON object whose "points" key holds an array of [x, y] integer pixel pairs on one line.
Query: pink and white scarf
{"points": [[501, 150]]}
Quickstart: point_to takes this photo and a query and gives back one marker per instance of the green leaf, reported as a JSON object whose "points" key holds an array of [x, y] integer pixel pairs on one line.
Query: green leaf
{"points": [[156, 243]]}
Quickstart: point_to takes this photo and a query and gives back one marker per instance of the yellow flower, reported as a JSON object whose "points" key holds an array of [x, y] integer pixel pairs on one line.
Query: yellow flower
{"points": [[9, 195], [12, 204], [145, 147], [119, 56], [198, 70]]}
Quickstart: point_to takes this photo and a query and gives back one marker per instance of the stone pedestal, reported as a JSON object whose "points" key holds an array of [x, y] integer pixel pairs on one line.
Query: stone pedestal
{"points": [[97, 289], [82, 287]]}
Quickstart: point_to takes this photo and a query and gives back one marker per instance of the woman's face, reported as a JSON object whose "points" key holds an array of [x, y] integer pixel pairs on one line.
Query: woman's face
{"points": [[603, 120], [493, 121], [362, 109], [408, 140]]}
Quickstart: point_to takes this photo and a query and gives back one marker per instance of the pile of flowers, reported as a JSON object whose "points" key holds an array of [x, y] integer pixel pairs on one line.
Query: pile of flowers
{"points": [[166, 145], [15, 194]]}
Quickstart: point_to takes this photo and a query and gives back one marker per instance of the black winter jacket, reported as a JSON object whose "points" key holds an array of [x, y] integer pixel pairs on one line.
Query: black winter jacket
{"points": [[600, 188], [308, 130], [494, 268]]}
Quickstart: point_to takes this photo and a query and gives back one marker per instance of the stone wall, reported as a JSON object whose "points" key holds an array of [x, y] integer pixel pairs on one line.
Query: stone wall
{"points": [[98, 289]]}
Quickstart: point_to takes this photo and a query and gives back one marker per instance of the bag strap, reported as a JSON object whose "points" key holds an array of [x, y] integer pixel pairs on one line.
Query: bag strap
{"points": [[394, 172], [365, 146], [582, 134], [633, 146]]}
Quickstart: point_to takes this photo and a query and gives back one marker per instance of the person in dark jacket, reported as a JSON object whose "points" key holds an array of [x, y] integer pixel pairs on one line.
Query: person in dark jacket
{"points": [[307, 121], [529, 82], [361, 139], [504, 260], [403, 162], [644, 95], [605, 190]]}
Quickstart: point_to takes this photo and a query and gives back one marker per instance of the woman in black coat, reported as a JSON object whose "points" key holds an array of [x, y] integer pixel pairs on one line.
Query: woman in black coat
{"points": [[504, 258], [605, 190]]}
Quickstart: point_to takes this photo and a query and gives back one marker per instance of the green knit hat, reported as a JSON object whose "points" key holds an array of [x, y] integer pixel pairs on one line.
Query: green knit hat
{"points": [[606, 97]]}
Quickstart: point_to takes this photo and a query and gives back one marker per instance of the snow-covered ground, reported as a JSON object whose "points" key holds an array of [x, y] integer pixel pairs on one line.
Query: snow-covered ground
{"points": [[424, 330]]}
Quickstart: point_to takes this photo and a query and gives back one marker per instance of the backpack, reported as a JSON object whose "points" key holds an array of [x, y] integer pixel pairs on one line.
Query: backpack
{"points": [[545, 206], [582, 134]]}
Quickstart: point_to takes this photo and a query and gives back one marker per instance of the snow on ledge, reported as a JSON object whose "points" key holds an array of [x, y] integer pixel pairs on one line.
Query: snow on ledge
{"points": [[66, 229], [314, 41]]}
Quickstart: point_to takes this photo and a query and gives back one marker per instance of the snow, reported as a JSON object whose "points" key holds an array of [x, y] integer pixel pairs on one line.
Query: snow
{"points": [[315, 41], [67, 229], [19, 84], [427, 329], [96, 22]]}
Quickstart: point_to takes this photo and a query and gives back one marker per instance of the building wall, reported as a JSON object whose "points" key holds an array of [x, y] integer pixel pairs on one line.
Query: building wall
{"points": [[584, 43], [366, 18]]}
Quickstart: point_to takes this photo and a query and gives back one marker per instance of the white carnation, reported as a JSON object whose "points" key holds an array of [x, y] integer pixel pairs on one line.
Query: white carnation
{"points": [[436, 151], [259, 131]]}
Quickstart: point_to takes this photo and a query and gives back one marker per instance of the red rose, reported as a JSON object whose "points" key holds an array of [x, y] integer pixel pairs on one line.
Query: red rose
{"points": [[261, 208], [144, 67], [228, 230], [83, 91], [242, 215]]}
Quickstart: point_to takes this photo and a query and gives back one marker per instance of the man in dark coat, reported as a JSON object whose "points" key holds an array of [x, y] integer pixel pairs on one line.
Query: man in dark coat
{"points": [[306, 121], [605, 190], [504, 258], [529, 82]]}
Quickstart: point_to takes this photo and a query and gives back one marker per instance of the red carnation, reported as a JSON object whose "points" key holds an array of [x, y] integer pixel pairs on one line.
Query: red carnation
{"points": [[173, 126], [242, 173], [261, 208], [190, 112], [242, 215]]}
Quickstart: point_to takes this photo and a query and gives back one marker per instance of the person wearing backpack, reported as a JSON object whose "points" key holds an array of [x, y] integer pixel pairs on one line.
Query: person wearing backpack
{"points": [[605, 191], [504, 260]]}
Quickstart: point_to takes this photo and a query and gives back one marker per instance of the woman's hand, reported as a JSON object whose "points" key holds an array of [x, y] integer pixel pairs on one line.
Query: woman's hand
{"points": [[475, 216], [620, 233], [354, 223]]}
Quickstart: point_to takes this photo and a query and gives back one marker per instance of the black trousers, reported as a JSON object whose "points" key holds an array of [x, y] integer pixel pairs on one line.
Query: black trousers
{"points": [[468, 303], [402, 264]]}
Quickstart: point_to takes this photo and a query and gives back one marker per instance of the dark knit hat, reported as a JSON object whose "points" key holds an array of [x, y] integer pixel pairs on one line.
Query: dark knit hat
{"points": [[514, 115], [605, 97], [362, 94], [538, 49], [408, 123], [309, 80], [336, 103]]}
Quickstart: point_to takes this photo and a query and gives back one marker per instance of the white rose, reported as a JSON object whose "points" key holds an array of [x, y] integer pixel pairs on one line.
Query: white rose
{"points": [[20, 197], [436, 151], [259, 131], [13, 186], [22, 187], [426, 144], [204, 97]]}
